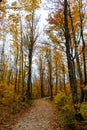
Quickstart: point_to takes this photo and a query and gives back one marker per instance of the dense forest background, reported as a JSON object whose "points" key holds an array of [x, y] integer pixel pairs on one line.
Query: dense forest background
{"points": [[39, 60]]}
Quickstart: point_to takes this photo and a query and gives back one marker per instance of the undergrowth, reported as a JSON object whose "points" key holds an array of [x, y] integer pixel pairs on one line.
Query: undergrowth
{"points": [[11, 104], [66, 113]]}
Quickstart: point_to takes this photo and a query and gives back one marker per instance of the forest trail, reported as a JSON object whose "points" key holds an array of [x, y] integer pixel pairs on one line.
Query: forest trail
{"points": [[42, 116]]}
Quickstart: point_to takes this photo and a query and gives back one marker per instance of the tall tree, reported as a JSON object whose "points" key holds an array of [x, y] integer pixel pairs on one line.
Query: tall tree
{"points": [[30, 39], [57, 65], [3, 29], [81, 15], [49, 60], [14, 31], [71, 66], [41, 71]]}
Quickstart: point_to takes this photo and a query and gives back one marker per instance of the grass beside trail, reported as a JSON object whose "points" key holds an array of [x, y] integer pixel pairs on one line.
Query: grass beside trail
{"points": [[11, 110], [66, 113]]}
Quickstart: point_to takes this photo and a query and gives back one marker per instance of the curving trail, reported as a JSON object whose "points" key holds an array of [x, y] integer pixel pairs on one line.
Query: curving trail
{"points": [[42, 116]]}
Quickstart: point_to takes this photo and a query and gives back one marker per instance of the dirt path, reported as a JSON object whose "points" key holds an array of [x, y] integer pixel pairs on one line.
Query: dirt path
{"points": [[42, 116]]}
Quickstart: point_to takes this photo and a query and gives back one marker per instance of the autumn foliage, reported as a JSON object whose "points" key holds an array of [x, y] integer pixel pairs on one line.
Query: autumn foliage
{"points": [[35, 66]]}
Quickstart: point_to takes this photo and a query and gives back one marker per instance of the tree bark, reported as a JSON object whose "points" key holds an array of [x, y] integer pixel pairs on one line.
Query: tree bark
{"points": [[56, 79], [41, 77], [29, 82], [63, 69], [50, 74], [77, 58], [83, 41], [71, 66]]}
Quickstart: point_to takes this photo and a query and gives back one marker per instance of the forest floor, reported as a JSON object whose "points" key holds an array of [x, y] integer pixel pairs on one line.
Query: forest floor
{"points": [[41, 116]]}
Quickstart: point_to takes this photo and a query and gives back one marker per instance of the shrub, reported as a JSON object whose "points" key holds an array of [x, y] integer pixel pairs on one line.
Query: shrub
{"points": [[61, 99], [84, 108]]}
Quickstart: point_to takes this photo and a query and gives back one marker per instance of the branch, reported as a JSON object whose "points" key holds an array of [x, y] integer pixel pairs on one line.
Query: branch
{"points": [[54, 46]]}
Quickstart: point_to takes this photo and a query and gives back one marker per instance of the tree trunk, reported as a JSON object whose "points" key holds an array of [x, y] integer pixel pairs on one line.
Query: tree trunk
{"points": [[42, 91], [83, 41], [16, 69], [19, 78], [71, 66], [77, 58], [15, 84], [56, 79], [3, 61], [63, 69], [22, 57], [29, 82], [50, 74], [9, 76], [51, 85], [41, 77]]}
